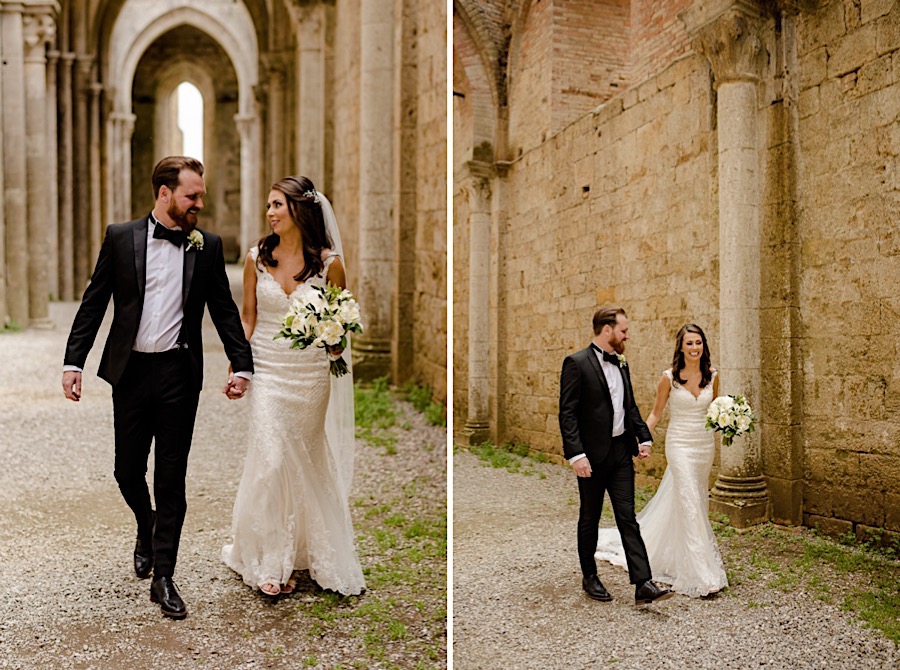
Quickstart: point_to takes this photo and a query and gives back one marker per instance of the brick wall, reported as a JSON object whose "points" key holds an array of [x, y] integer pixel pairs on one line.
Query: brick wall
{"points": [[657, 35]]}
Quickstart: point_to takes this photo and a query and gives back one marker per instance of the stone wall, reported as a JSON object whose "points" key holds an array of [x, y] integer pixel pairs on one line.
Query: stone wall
{"points": [[621, 206], [849, 127], [430, 300]]}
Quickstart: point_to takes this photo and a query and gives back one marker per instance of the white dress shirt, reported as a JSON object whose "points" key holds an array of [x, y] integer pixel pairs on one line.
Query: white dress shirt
{"points": [[163, 311]]}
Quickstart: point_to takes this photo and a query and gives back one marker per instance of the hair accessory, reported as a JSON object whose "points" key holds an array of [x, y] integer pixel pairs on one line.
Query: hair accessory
{"points": [[312, 195]]}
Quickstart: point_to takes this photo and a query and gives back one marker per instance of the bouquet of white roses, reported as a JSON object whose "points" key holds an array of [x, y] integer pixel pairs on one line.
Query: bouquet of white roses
{"points": [[321, 317], [732, 416]]}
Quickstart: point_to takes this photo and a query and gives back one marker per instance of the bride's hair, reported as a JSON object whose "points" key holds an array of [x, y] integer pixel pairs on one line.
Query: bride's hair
{"points": [[306, 212], [678, 358]]}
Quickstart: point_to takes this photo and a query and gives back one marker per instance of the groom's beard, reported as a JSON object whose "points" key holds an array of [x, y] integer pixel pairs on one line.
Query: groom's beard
{"points": [[184, 219], [618, 346]]}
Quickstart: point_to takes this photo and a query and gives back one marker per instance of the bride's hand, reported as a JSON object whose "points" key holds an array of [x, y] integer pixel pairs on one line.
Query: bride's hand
{"points": [[335, 350]]}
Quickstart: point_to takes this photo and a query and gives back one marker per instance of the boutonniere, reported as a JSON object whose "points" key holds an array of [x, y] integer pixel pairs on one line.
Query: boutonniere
{"points": [[622, 360], [195, 240]]}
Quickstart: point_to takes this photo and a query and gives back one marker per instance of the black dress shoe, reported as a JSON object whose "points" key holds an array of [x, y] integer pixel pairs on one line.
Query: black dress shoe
{"points": [[143, 558], [648, 593], [162, 591], [595, 589]]}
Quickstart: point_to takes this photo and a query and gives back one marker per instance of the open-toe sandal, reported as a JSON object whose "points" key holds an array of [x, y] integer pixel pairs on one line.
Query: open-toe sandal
{"points": [[270, 587]]}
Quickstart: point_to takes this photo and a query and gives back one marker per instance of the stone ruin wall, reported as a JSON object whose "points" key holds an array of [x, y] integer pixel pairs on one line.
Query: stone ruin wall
{"points": [[645, 235]]}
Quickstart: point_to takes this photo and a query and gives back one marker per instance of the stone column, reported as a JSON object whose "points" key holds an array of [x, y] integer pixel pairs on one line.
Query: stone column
{"points": [[405, 187], [311, 91], [83, 262], [52, 175], [66, 186], [275, 126], [726, 33], [39, 28], [373, 348], [251, 201], [120, 127], [15, 193], [477, 427], [95, 171]]}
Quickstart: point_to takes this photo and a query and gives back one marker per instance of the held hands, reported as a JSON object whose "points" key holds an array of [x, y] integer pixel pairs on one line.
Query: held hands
{"points": [[71, 383], [643, 452], [235, 387]]}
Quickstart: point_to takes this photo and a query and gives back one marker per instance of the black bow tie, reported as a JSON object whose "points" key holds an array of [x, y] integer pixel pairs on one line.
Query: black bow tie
{"points": [[176, 237], [609, 358]]}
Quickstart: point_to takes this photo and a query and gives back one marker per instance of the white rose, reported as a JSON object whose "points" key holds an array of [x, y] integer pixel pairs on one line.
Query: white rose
{"points": [[743, 423], [329, 332], [349, 312], [724, 421]]}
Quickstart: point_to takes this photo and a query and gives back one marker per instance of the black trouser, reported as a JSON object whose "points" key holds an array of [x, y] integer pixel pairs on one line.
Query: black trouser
{"points": [[155, 399], [614, 474]]}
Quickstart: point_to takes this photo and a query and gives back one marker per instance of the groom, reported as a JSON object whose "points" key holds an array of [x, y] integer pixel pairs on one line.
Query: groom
{"points": [[161, 273], [601, 427]]}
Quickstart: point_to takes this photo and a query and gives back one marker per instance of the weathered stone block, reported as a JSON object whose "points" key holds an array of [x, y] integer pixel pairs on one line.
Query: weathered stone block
{"points": [[887, 32], [813, 68], [785, 501], [827, 525]]}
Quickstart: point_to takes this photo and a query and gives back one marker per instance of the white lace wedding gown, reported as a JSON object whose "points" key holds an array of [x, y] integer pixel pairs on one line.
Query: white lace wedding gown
{"points": [[291, 511], [675, 523]]}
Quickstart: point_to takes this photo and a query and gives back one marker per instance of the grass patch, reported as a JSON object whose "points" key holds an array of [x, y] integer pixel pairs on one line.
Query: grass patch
{"points": [[376, 415], [422, 398], [511, 456]]}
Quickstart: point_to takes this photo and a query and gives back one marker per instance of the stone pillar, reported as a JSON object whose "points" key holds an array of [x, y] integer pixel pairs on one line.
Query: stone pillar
{"points": [[477, 427], [38, 29], [405, 189], [251, 200], [120, 128], [15, 193], [83, 262], [373, 349], [275, 126], [96, 174], [726, 33], [66, 185], [52, 175], [311, 92]]}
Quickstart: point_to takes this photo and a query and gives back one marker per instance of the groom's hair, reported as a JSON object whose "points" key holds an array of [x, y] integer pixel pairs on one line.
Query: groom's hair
{"points": [[607, 316], [168, 171]]}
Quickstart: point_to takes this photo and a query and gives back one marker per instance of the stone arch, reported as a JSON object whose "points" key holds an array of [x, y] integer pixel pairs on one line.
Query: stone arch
{"points": [[478, 98], [137, 27]]}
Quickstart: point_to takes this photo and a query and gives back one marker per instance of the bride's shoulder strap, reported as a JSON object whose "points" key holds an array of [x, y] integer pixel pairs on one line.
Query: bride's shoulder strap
{"points": [[667, 373]]}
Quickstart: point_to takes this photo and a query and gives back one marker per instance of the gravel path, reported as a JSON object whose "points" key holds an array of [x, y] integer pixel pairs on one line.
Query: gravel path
{"points": [[518, 603], [68, 594]]}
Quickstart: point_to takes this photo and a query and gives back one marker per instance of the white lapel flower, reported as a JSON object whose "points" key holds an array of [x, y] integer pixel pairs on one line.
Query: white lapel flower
{"points": [[195, 240], [622, 360]]}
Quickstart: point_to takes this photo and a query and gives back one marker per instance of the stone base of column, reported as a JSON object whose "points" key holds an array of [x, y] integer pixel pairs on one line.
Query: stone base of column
{"points": [[474, 433], [371, 359], [743, 500], [42, 323]]}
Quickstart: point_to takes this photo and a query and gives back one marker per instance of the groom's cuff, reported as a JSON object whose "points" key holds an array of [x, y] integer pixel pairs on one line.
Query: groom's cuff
{"points": [[244, 375], [72, 368], [576, 458]]}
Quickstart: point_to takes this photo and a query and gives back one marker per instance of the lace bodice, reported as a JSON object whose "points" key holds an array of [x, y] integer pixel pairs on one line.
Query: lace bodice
{"points": [[684, 407]]}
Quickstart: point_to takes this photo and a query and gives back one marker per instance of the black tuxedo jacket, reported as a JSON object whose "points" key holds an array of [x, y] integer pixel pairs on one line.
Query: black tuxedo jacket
{"points": [[585, 409], [120, 273]]}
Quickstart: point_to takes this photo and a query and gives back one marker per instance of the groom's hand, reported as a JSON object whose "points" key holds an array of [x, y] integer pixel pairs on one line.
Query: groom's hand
{"points": [[582, 467], [643, 452], [71, 383]]}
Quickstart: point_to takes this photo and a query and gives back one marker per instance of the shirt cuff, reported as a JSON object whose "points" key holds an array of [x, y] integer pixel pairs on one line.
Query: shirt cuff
{"points": [[646, 444], [71, 368], [576, 458], [244, 375]]}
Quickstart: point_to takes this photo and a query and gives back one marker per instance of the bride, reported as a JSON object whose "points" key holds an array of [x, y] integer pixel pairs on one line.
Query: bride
{"points": [[291, 512], [675, 523]]}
